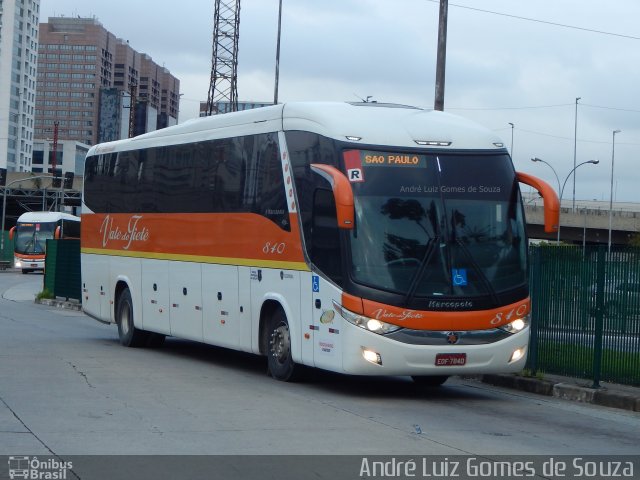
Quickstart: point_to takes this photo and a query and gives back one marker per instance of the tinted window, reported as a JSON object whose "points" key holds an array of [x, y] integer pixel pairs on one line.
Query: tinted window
{"points": [[242, 174], [304, 149]]}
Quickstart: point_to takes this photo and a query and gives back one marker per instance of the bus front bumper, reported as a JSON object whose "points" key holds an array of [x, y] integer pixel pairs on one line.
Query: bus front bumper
{"points": [[28, 264], [366, 353]]}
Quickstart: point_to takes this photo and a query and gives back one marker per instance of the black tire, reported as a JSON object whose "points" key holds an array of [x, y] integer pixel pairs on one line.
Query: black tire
{"points": [[430, 381], [279, 360], [129, 335], [25, 271], [155, 340]]}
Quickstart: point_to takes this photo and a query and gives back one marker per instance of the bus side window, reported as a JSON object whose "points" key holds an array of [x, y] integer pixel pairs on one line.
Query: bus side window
{"points": [[325, 235]]}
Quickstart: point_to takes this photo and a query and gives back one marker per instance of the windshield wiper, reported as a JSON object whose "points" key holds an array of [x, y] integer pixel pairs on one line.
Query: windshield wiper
{"points": [[431, 248], [483, 278]]}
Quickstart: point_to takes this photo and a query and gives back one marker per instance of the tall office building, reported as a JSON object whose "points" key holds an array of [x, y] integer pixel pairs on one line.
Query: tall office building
{"points": [[86, 79], [18, 63]]}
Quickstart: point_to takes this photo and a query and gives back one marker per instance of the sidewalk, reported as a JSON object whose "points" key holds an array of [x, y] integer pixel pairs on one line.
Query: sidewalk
{"points": [[574, 389], [29, 289]]}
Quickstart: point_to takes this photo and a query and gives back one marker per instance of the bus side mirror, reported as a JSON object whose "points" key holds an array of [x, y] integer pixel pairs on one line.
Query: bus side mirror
{"points": [[56, 234], [550, 198], [12, 232], [342, 193]]}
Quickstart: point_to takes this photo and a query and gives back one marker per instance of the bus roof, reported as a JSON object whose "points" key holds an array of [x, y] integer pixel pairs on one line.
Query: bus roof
{"points": [[44, 217], [371, 123]]}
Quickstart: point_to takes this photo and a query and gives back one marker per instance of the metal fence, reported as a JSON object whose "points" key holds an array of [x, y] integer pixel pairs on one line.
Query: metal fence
{"points": [[586, 313], [6, 255]]}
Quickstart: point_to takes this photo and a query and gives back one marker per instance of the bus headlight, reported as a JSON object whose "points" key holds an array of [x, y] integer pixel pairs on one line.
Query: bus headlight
{"points": [[517, 325], [371, 324], [18, 264]]}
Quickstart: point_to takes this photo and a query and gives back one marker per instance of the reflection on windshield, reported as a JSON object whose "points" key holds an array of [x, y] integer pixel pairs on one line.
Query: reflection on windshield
{"points": [[32, 238], [451, 227]]}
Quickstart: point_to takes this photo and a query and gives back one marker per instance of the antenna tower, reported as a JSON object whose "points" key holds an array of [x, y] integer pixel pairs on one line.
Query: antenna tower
{"points": [[224, 63]]}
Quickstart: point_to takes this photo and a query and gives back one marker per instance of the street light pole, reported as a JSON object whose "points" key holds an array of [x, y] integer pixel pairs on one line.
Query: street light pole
{"points": [[536, 159], [561, 188], [512, 126], [613, 153], [575, 144]]}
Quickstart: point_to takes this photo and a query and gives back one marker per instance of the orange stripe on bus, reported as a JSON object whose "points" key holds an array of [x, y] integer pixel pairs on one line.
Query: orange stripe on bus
{"points": [[34, 258], [194, 237], [438, 320]]}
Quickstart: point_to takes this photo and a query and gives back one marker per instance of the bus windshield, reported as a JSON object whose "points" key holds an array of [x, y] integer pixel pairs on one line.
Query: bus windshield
{"points": [[31, 238], [430, 225]]}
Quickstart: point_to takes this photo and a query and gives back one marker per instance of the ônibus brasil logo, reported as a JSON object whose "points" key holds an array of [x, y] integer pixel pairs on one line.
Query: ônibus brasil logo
{"points": [[35, 469]]}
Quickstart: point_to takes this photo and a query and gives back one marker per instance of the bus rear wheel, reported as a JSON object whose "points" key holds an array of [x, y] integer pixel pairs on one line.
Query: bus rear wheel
{"points": [[429, 381], [129, 335], [279, 359]]}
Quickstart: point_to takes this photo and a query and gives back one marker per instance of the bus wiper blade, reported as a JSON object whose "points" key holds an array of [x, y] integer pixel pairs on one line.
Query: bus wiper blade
{"points": [[417, 277], [485, 281]]}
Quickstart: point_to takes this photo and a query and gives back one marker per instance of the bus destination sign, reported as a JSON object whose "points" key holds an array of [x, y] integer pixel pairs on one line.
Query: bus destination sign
{"points": [[392, 159]]}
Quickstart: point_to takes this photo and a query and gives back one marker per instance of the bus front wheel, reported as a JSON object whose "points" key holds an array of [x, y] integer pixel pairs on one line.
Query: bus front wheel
{"points": [[279, 359], [129, 335]]}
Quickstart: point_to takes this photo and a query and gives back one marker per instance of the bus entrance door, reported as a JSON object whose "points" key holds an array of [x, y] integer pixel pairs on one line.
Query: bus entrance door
{"points": [[326, 338]]}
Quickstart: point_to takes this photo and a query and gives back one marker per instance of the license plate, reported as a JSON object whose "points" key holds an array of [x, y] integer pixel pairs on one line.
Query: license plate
{"points": [[34, 264], [450, 359]]}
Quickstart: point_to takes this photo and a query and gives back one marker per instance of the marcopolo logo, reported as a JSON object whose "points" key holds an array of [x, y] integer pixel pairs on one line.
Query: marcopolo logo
{"points": [[36, 469]]}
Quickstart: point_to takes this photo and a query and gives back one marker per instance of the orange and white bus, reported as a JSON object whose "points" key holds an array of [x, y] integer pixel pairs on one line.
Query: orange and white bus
{"points": [[31, 233], [365, 239]]}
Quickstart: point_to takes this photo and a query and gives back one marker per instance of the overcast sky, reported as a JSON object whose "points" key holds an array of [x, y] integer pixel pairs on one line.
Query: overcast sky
{"points": [[500, 68]]}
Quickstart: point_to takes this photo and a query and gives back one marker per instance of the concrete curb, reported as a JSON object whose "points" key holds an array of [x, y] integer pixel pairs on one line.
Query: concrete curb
{"points": [[605, 396], [52, 302]]}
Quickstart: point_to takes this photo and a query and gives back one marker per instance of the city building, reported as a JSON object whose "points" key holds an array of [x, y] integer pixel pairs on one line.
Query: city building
{"points": [[18, 61], [86, 79], [69, 157]]}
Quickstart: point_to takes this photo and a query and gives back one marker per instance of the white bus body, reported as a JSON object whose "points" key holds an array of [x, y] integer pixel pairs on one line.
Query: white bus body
{"points": [[316, 234]]}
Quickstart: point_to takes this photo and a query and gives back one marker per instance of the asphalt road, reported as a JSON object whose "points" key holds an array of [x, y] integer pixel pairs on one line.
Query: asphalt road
{"points": [[68, 388]]}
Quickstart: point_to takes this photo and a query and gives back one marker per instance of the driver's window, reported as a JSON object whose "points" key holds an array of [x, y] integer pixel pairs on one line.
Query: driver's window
{"points": [[325, 236]]}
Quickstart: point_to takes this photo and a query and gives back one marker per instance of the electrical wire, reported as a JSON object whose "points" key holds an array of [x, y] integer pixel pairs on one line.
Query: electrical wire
{"points": [[546, 22]]}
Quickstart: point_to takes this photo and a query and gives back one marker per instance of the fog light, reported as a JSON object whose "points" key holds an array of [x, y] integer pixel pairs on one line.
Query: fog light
{"points": [[372, 357], [517, 354]]}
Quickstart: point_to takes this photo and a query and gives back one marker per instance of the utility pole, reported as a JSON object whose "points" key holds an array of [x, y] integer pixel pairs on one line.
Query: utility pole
{"points": [[54, 160], [275, 94], [54, 150], [133, 88], [441, 55]]}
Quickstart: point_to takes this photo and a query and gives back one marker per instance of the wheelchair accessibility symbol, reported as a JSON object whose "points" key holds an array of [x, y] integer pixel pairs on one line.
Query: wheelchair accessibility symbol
{"points": [[459, 276], [315, 283]]}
